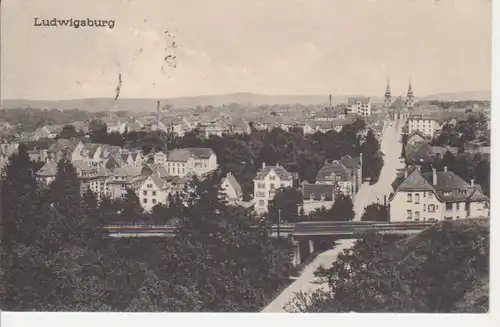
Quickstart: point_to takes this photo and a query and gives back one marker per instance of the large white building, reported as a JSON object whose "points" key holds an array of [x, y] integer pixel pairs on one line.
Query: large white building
{"points": [[181, 162], [437, 196], [426, 124], [267, 181], [359, 105]]}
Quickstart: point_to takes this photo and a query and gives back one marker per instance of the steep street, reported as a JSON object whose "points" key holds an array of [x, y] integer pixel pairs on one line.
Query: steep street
{"points": [[305, 283]]}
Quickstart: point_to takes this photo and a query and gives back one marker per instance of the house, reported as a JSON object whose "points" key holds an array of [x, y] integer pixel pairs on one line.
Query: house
{"points": [[426, 123], [437, 196], [318, 196], [359, 105], [160, 158], [81, 126], [154, 190], [416, 137], [191, 160], [38, 150], [324, 126], [267, 180], [47, 174], [116, 127], [48, 131], [132, 158], [123, 179], [64, 147], [92, 178], [335, 173], [231, 188]]}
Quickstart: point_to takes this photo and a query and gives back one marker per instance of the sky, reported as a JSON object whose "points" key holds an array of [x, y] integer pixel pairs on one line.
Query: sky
{"points": [[288, 47]]}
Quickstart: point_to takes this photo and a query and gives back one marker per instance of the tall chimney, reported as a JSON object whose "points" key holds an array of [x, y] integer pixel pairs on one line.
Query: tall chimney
{"points": [[472, 182], [445, 168], [157, 114], [434, 176], [330, 102], [263, 165]]}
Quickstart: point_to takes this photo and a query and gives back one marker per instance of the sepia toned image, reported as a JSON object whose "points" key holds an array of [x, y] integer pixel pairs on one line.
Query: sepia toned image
{"points": [[280, 156]]}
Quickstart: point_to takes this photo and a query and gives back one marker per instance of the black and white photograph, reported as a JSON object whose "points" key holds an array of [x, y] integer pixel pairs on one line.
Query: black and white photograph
{"points": [[236, 156]]}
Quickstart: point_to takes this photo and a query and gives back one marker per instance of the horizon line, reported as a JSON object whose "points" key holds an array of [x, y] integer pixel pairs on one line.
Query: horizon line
{"points": [[241, 92]]}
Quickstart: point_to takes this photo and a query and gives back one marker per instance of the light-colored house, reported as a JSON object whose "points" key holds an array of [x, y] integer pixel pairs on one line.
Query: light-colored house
{"points": [[125, 178], [48, 131], [266, 182], [47, 173], [116, 126], [64, 147], [437, 196], [359, 105], [200, 161], [231, 188], [154, 190], [416, 137], [318, 196], [427, 124], [92, 177], [335, 173]]}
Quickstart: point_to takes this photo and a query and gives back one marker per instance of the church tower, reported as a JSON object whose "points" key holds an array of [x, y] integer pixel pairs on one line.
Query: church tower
{"points": [[409, 97], [387, 97]]}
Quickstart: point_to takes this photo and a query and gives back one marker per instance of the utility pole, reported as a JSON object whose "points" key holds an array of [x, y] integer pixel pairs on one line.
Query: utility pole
{"points": [[279, 221]]}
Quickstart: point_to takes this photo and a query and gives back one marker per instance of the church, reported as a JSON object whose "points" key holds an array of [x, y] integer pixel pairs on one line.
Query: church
{"points": [[400, 107]]}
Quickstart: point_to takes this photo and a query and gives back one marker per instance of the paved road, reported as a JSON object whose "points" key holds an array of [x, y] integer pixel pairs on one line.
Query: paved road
{"points": [[305, 282], [391, 148]]}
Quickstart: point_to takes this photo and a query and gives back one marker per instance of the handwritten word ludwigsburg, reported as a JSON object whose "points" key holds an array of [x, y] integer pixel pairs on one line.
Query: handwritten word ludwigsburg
{"points": [[76, 23]]}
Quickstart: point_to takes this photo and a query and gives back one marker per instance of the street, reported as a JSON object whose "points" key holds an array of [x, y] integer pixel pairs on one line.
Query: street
{"points": [[305, 282], [366, 195], [391, 148]]}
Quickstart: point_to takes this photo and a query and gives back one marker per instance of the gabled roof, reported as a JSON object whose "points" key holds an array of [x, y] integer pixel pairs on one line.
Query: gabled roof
{"points": [[416, 133], [82, 165], [336, 168], [184, 154], [91, 148], [282, 173], [64, 144], [349, 162], [234, 183], [54, 129], [317, 191], [48, 170], [449, 187], [415, 182]]}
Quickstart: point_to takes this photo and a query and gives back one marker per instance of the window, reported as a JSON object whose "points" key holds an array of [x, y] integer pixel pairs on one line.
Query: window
{"points": [[338, 177], [271, 186], [409, 197], [447, 193], [417, 198], [424, 206], [449, 206], [154, 201], [261, 194], [458, 206], [448, 218], [429, 195], [458, 217], [261, 203], [431, 208], [272, 178], [282, 185], [144, 200], [408, 214], [463, 192], [424, 193], [150, 185], [323, 197], [417, 215], [145, 192], [154, 193]]}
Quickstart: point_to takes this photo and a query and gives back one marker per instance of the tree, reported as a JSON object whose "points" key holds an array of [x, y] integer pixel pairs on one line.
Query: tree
{"points": [[98, 131], [376, 212], [132, 211], [342, 209], [68, 132], [285, 203]]}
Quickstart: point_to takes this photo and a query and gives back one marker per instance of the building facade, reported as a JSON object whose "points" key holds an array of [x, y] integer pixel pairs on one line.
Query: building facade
{"points": [[267, 181]]}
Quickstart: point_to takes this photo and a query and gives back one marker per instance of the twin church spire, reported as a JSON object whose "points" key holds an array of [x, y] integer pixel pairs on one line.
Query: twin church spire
{"points": [[409, 96]]}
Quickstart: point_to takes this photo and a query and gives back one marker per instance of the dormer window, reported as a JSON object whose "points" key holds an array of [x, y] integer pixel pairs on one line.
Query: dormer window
{"points": [[311, 196], [323, 197], [447, 193], [463, 192]]}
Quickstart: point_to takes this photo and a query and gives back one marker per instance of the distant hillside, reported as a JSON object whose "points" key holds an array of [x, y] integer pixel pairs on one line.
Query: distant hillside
{"points": [[104, 104]]}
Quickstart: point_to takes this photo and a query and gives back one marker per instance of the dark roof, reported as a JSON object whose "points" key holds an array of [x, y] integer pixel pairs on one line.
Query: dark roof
{"points": [[38, 145], [333, 168], [449, 187], [421, 153], [349, 162], [185, 154], [316, 191], [282, 173]]}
